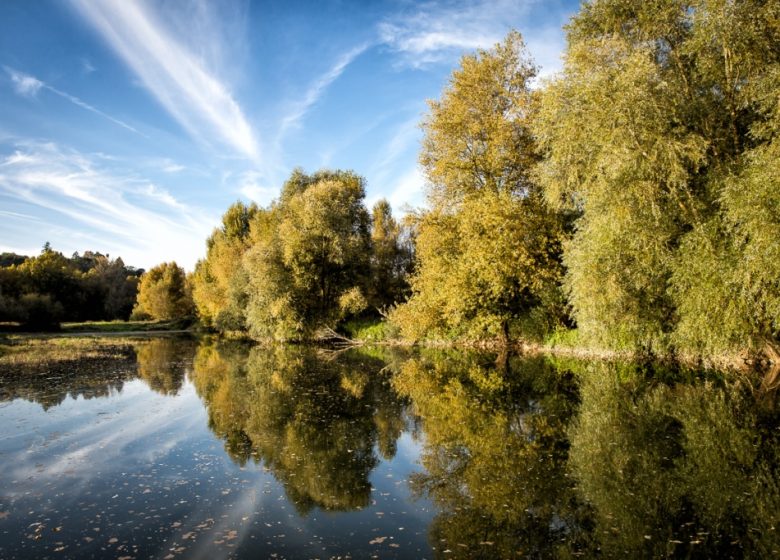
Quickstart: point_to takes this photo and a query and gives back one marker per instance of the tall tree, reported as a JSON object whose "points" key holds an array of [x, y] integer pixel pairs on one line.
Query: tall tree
{"points": [[488, 249], [218, 283], [308, 263], [391, 258], [656, 131]]}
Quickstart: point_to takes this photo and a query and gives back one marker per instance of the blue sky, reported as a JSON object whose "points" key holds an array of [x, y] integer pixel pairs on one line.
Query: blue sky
{"points": [[129, 126]]}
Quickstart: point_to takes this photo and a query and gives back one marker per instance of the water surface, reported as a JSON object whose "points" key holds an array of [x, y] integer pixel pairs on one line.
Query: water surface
{"points": [[206, 450]]}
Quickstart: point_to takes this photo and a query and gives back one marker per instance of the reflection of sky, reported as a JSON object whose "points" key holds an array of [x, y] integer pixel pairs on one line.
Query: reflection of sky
{"points": [[139, 474]]}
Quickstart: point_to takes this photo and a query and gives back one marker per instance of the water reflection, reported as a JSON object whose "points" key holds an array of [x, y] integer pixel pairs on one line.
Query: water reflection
{"points": [[683, 469], [162, 362], [495, 454], [312, 418], [517, 456]]}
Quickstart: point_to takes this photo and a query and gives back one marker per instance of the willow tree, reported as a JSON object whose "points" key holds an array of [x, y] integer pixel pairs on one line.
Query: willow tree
{"points": [[659, 132], [391, 258], [309, 258], [164, 293], [487, 249], [218, 282]]}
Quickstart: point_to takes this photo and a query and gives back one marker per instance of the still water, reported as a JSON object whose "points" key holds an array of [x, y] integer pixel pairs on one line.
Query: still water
{"points": [[205, 449]]}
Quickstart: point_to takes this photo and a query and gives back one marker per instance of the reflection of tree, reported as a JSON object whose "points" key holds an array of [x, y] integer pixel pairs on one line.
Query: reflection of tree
{"points": [[495, 454], [685, 469], [98, 372], [162, 362], [312, 420]]}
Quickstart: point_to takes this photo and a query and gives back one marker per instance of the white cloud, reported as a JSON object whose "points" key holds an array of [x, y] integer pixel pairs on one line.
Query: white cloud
{"points": [[177, 77], [29, 86], [435, 32], [86, 66], [170, 166], [132, 218], [24, 84], [252, 185], [299, 109], [407, 191]]}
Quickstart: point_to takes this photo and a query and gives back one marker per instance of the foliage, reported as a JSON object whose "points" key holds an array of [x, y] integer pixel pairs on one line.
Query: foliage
{"points": [[391, 258], [42, 290], [678, 468], [164, 294], [488, 250], [659, 131], [218, 283], [309, 256]]}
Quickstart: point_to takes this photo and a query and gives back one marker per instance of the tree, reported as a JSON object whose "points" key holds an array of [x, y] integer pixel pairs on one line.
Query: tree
{"points": [[164, 294], [79, 288], [218, 283], [657, 132], [391, 258], [308, 262], [488, 249]]}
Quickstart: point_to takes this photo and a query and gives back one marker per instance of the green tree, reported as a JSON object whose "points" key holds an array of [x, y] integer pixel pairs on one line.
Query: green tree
{"points": [[218, 283], [488, 249], [308, 263], [658, 131], [164, 293], [391, 258]]}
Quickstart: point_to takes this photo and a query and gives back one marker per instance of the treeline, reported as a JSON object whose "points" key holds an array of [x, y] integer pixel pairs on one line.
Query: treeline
{"points": [[43, 290], [316, 257], [634, 196]]}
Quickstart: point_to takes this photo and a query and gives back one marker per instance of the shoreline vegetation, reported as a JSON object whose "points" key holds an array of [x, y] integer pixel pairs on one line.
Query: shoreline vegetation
{"points": [[100, 341], [626, 208]]}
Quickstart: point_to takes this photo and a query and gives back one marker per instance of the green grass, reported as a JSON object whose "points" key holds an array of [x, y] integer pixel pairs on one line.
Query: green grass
{"points": [[563, 338], [125, 326], [369, 330], [25, 351]]}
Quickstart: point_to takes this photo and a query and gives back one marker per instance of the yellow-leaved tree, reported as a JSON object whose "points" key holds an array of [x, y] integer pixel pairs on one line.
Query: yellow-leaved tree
{"points": [[488, 248]]}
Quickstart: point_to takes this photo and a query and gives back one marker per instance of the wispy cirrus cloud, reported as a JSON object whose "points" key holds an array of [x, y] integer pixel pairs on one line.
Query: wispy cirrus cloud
{"points": [[255, 186], [131, 216], [172, 72], [24, 84], [299, 108], [29, 86], [440, 31]]}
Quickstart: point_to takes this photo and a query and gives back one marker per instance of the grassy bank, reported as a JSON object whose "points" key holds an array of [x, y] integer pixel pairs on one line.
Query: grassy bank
{"points": [[18, 352], [563, 342], [126, 326]]}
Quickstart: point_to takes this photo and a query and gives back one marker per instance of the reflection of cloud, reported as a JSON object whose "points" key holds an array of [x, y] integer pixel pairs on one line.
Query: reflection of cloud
{"points": [[175, 75], [92, 449], [29, 86], [144, 222]]}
